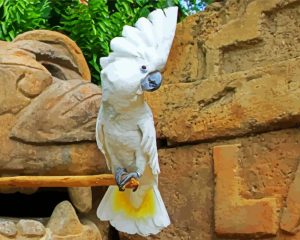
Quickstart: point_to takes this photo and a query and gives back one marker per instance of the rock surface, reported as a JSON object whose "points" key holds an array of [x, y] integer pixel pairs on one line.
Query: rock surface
{"points": [[39, 110], [251, 216], [52, 46], [62, 225], [31, 228], [266, 167], [291, 213], [81, 198], [64, 113], [64, 221], [8, 228], [249, 82], [48, 110]]}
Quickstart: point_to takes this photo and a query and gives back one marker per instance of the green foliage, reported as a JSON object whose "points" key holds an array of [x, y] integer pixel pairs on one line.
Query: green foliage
{"points": [[91, 26], [17, 16]]}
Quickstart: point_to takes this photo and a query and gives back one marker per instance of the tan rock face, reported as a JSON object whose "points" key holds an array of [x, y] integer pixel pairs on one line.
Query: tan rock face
{"points": [[247, 81], [48, 110], [62, 225], [64, 220], [8, 228], [291, 213], [263, 172], [31, 228], [65, 112], [81, 198], [62, 48], [42, 107], [254, 217]]}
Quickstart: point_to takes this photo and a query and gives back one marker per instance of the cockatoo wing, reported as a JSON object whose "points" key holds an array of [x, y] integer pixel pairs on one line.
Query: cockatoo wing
{"points": [[149, 143], [100, 138]]}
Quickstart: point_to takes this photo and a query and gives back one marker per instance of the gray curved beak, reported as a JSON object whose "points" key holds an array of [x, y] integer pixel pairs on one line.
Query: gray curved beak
{"points": [[152, 82]]}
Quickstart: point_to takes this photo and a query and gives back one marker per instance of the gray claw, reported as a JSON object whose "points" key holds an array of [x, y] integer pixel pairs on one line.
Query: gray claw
{"points": [[122, 177], [127, 178], [120, 172]]}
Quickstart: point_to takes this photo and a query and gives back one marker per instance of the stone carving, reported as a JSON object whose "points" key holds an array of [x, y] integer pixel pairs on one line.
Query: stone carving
{"points": [[48, 110], [47, 115]]}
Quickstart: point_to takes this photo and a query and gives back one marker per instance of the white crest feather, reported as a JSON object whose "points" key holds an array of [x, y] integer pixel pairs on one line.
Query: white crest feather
{"points": [[133, 35], [123, 46], [146, 27], [150, 35]]}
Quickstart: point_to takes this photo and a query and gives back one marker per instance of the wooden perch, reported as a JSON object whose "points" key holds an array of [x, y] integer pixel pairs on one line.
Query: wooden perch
{"points": [[62, 181]]}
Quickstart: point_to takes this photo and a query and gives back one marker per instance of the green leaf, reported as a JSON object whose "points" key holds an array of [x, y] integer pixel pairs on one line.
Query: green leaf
{"points": [[12, 34], [3, 28], [21, 8], [18, 17]]}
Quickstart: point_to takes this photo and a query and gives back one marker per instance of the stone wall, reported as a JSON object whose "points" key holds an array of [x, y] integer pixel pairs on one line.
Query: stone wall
{"points": [[227, 120]]}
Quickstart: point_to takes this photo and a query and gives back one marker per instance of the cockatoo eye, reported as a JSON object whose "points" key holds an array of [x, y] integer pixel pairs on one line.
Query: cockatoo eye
{"points": [[144, 69]]}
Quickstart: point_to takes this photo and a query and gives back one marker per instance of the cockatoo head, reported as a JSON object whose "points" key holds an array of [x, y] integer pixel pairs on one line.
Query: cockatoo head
{"points": [[138, 56]]}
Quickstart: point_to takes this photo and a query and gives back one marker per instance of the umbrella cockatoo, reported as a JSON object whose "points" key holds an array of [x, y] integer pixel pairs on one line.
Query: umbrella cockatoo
{"points": [[125, 130]]}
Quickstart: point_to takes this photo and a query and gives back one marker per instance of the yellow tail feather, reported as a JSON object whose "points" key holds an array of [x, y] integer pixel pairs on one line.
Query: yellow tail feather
{"points": [[121, 203]]}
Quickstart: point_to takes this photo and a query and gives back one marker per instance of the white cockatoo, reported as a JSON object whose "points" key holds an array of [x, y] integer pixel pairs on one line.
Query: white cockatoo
{"points": [[125, 130]]}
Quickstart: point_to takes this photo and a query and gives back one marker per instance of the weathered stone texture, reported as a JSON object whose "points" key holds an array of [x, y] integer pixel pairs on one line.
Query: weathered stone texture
{"points": [[250, 82], [187, 59], [39, 110], [276, 43], [65, 225], [64, 113], [8, 228], [59, 44], [62, 225], [251, 217], [291, 214], [229, 105], [64, 220], [262, 174], [48, 110], [81, 198], [31, 228]]}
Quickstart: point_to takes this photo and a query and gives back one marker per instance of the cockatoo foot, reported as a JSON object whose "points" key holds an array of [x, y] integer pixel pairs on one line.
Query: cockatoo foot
{"points": [[126, 180]]}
